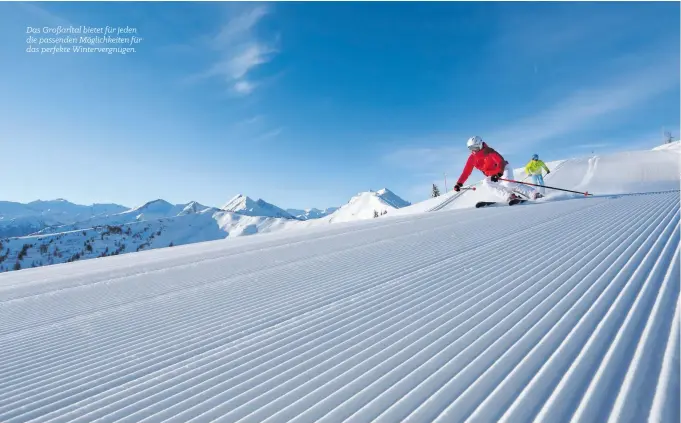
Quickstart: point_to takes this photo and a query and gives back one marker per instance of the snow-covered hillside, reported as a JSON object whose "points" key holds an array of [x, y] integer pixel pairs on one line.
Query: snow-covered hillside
{"points": [[17, 219], [367, 205], [675, 145], [24, 225], [131, 236], [420, 318], [658, 169]]}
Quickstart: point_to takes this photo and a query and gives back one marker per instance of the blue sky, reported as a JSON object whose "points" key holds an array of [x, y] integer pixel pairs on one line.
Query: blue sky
{"points": [[307, 104]]}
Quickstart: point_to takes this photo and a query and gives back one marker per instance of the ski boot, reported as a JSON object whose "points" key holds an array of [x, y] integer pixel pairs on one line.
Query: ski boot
{"points": [[513, 199]]}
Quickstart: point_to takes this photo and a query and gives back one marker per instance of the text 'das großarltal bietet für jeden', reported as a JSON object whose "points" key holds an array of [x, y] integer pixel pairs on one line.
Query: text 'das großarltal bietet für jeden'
{"points": [[82, 39]]}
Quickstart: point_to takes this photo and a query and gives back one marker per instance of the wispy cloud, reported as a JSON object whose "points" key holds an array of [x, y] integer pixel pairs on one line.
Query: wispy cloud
{"points": [[241, 25], [269, 135], [244, 87], [239, 50], [578, 111], [588, 106]]}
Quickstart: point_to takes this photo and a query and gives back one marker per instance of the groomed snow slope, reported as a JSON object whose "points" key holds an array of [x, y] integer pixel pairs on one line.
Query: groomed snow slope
{"points": [[419, 318]]}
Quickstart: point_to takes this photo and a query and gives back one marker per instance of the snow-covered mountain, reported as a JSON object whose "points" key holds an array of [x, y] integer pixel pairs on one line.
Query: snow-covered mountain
{"points": [[17, 219], [243, 204], [158, 209], [159, 224], [194, 207], [61, 207], [152, 210], [154, 224], [367, 205], [313, 213]]}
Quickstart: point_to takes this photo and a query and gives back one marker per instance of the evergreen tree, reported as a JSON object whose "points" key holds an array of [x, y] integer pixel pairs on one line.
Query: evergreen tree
{"points": [[436, 191]]}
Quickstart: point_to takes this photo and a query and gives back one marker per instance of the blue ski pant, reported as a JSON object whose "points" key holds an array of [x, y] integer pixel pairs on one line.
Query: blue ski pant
{"points": [[539, 180]]}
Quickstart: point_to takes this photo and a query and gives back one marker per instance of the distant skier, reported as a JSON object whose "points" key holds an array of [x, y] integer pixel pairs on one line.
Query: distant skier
{"points": [[493, 166], [534, 168]]}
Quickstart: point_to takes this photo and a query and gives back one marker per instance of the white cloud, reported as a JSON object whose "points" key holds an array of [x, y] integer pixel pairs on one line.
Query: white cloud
{"points": [[250, 57], [239, 50], [244, 87], [240, 26]]}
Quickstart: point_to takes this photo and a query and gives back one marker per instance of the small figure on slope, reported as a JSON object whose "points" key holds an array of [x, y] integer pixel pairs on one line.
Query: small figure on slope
{"points": [[494, 167], [534, 168]]}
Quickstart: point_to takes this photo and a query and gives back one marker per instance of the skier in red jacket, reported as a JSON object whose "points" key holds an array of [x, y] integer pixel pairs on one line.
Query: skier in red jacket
{"points": [[494, 166]]}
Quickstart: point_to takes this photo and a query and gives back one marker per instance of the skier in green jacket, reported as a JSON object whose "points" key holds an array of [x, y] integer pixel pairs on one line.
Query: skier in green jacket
{"points": [[534, 169]]}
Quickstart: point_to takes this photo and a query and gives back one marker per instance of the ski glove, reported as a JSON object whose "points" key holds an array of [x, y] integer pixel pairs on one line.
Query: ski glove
{"points": [[457, 187], [495, 178], [548, 171]]}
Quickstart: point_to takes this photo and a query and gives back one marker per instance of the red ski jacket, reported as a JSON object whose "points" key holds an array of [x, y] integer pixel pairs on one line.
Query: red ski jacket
{"points": [[487, 161]]}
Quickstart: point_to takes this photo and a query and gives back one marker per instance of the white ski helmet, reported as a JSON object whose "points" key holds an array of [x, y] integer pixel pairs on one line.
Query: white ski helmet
{"points": [[474, 143]]}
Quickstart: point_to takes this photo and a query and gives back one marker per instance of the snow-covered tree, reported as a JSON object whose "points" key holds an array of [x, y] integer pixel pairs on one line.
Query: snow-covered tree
{"points": [[435, 192]]}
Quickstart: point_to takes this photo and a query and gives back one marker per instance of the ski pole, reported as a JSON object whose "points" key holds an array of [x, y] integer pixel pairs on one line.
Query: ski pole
{"points": [[545, 186]]}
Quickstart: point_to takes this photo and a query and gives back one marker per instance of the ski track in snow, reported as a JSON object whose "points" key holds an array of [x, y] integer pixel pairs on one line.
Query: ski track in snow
{"points": [[405, 319]]}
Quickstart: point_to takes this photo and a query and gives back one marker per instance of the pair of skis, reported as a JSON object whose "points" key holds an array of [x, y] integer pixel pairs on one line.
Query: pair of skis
{"points": [[490, 203], [513, 202]]}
